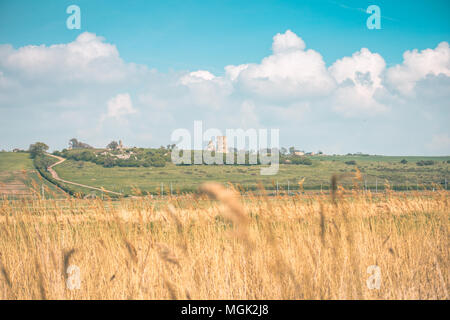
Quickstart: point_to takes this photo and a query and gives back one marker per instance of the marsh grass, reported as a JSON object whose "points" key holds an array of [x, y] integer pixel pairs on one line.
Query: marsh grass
{"points": [[219, 245]]}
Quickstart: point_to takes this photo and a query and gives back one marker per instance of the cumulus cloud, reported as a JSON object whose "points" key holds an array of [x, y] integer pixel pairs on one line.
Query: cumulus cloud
{"points": [[232, 72], [418, 65], [87, 59], [289, 73], [248, 115], [292, 88], [363, 68], [287, 41], [120, 106], [359, 77], [204, 89], [197, 77]]}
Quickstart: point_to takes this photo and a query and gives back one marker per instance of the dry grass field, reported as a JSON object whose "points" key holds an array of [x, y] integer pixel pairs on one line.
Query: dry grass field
{"points": [[219, 245]]}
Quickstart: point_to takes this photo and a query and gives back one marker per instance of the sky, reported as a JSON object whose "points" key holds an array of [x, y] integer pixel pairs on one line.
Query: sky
{"points": [[138, 70]]}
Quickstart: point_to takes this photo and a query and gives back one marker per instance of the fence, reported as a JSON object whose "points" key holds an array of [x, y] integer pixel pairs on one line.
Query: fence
{"points": [[286, 187]]}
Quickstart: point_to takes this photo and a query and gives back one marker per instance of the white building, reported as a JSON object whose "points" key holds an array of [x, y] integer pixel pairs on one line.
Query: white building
{"points": [[211, 146], [222, 146]]}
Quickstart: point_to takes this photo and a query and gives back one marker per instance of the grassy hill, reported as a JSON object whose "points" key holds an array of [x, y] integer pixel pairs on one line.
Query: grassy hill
{"points": [[18, 178], [12, 161], [18, 175], [375, 170]]}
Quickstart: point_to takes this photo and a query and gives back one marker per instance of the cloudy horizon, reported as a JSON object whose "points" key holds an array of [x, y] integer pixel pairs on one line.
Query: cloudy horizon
{"points": [[360, 102]]}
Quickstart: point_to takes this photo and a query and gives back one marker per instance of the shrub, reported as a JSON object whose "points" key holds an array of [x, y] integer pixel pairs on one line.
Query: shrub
{"points": [[301, 160], [425, 163], [37, 149]]}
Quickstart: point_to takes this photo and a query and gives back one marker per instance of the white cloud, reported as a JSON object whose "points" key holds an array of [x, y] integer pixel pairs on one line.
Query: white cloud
{"points": [[248, 115], [87, 59], [356, 101], [290, 73], [120, 106], [287, 41], [296, 112], [417, 65], [291, 89], [232, 72], [359, 77], [205, 89], [196, 77], [363, 68]]}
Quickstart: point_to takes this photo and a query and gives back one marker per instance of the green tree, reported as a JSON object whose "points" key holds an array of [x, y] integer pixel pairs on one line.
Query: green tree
{"points": [[112, 145], [37, 149], [75, 144], [108, 163]]}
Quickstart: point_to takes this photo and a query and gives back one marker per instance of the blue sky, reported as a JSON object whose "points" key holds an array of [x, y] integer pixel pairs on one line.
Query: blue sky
{"points": [[137, 70], [211, 34]]}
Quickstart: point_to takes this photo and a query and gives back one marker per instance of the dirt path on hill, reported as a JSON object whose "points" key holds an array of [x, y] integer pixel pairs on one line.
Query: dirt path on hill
{"points": [[56, 177]]}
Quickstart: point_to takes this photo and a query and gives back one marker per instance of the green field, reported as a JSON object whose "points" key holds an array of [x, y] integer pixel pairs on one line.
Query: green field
{"points": [[12, 161], [19, 178], [16, 168], [374, 169]]}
